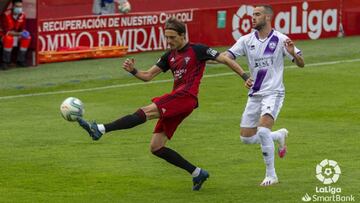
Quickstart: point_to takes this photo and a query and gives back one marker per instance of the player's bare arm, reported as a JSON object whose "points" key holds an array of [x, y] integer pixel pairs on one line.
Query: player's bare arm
{"points": [[290, 47], [228, 60], [231, 64], [223, 53], [129, 66]]}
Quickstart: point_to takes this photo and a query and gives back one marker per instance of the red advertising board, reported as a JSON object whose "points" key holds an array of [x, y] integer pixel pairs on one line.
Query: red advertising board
{"points": [[215, 27], [140, 32]]}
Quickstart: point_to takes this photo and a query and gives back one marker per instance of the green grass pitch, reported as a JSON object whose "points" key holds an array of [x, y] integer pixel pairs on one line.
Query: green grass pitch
{"points": [[44, 158]]}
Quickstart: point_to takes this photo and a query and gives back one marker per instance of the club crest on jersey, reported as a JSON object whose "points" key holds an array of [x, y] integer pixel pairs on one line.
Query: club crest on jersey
{"points": [[272, 45], [172, 59], [211, 52], [187, 59]]}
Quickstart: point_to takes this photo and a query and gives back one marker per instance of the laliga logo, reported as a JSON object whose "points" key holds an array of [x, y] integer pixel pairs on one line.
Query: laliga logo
{"points": [[313, 21], [328, 171], [241, 22]]}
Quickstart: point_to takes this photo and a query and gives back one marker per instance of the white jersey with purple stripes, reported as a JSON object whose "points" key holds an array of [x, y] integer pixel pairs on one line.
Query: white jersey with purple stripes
{"points": [[265, 60]]}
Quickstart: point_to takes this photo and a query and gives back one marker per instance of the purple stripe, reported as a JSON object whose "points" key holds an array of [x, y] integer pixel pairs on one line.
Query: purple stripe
{"points": [[257, 35], [271, 46], [259, 79], [272, 31]]}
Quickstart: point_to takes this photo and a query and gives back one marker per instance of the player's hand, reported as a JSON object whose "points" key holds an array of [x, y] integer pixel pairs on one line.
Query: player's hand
{"points": [[249, 83], [129, 64], [290, 47]]}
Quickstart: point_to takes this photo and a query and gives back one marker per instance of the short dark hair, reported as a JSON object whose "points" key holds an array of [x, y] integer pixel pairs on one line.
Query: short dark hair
{"points": [[268, 9], [176, 25]]}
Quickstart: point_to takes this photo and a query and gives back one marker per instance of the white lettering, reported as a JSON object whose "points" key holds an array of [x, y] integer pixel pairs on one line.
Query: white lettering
{"points": [[304, 17], [330, 14], [285, 17], [120, 39], [294, 28], [313, 21], [140, 46], [328, 189], [104, 36], [315, 27], [89, 38]]}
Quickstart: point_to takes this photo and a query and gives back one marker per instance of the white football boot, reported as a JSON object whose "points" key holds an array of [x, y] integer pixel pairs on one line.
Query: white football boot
{"points": [[268, 181], [282, 142]]}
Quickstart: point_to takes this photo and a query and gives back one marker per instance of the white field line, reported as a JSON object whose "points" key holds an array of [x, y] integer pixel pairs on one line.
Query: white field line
{"points": [[155, 82]]}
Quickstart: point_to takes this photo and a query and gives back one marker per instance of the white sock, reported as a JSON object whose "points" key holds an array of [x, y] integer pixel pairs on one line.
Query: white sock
{"points": [[255, 139], [276, 135], [267, 147], [250, 140], [101, 128], [196, 172]]}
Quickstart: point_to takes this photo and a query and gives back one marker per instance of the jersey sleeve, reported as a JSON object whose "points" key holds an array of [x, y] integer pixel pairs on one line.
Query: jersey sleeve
{"points": [[238, 49], [204, 53], [163, 62]]}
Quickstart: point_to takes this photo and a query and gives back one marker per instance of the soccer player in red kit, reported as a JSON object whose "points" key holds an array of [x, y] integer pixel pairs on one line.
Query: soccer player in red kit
{"points": [[13, 24], [186, 61]]}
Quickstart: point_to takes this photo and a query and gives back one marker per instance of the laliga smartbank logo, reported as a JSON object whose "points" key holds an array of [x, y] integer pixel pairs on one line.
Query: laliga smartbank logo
{"points": [[294, 20], [328, 172]]}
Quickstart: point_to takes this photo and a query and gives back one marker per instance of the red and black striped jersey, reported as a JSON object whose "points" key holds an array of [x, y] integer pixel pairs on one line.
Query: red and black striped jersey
{"points": [[187, 66]]}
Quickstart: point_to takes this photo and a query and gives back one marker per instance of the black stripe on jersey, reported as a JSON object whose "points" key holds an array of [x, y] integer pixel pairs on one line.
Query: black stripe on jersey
{"points": [[163, 61], [204, 53], [233, 55]]}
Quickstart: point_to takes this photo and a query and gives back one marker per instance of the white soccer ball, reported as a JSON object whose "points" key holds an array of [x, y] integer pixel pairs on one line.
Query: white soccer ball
{"points": [[71, 109], [124, 7]]}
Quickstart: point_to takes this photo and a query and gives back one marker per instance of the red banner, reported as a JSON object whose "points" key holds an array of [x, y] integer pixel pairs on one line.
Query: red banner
{"points": [[140, 32], [214, 27]]}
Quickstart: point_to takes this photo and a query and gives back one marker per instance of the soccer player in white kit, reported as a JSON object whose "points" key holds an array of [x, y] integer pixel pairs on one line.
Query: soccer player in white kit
{"points": [[265, 49]]}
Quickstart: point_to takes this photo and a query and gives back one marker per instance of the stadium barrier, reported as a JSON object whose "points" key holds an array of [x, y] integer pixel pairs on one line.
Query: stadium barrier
{"points": [[215, 26], [77, 53]]}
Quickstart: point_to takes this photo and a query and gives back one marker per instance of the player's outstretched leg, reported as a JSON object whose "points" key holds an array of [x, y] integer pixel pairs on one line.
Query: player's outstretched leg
{"points": [[91, 128], [280, 137], [129, 121], [126, 122]]}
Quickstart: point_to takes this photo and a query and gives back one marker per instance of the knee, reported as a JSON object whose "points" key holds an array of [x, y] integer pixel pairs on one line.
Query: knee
{"points": [[151, 111], [263, 132], [154, 148], [250, 140], [245, 140], [8, 41]]}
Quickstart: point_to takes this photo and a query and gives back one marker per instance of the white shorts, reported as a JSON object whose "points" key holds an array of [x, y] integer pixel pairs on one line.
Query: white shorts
{"points": [[260, 105]]}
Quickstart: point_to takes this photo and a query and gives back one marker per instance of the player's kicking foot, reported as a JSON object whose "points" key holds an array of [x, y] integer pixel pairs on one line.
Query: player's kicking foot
{"points": [[282, 142], [200, 179], [91, 128], [268, 181]]}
